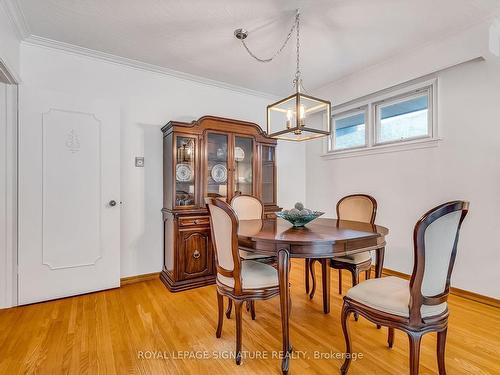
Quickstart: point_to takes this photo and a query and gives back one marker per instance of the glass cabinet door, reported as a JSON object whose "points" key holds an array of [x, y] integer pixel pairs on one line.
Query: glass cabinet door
{"points": [[243, 165], [217, 165], [268, 175], [185, 173]]}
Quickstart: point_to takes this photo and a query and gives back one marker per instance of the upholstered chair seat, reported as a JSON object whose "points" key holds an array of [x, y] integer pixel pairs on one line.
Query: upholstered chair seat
{"points": [[418, 306], [355, 258], [390, 295], [242, 281], [360, 208], [248, 207], [254, 275]]}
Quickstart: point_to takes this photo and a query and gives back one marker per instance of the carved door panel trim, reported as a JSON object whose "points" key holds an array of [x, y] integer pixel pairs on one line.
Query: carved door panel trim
{"points": [[195, 253]]}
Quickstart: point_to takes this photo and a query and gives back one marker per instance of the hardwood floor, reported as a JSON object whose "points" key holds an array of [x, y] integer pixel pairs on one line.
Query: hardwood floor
{"points": [[138, 328]]}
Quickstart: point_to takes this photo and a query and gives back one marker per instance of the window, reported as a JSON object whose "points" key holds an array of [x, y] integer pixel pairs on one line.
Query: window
{"points": [[403, 117], [350, 130]]}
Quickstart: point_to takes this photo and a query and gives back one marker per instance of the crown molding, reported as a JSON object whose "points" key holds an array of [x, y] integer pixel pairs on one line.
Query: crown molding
{"points": [[16, 17], [7, 74], [124, 61]]}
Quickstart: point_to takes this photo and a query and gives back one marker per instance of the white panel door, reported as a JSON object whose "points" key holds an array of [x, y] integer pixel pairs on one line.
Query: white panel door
{"points": [[69, 195]]}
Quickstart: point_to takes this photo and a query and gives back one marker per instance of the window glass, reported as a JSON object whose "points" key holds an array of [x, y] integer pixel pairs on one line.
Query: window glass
{"points": [[350, 131], [404, 119]]}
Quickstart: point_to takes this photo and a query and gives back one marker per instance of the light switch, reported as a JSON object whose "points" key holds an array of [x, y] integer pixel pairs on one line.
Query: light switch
{"points": [[139, 161]]}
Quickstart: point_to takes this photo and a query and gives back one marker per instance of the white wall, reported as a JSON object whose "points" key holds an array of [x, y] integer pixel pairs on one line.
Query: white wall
{"points": [[147, 101], [465, 165], [291, 173]]}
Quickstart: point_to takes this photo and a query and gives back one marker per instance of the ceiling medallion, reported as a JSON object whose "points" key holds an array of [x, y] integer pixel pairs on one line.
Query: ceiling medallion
{"points": [[298, 117]]}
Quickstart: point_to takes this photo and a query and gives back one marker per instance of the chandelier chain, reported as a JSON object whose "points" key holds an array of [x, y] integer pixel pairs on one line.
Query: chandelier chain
{"points": [[298, 81], [288, 37]]}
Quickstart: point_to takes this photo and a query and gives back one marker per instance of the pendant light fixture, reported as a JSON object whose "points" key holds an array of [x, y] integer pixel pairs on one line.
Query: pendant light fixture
{"points": [[298, 117]]}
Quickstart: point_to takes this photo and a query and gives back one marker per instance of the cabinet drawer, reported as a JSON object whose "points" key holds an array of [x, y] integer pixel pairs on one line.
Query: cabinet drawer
{"points": [[196, 255], [191, 221]]}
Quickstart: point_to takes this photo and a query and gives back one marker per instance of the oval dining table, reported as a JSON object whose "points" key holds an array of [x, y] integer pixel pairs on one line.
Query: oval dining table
{"points": [[321, 239]]}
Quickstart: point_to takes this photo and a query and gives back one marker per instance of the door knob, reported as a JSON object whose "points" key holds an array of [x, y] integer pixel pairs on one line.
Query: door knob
{"points": [[112, 203]]}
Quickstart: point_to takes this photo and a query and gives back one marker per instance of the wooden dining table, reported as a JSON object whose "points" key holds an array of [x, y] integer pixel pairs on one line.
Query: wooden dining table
{"points": [[321, 239]]}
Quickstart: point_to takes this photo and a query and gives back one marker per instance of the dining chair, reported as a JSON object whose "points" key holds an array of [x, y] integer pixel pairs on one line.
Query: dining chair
{"points": [[355, 207], [420, 305], [239, 279], [248, 207]]}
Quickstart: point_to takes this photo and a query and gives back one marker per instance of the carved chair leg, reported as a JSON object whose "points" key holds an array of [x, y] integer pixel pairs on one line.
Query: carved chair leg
{"points": [[306, 267], [312, 271], [247, 305], [368, 274], [238, 313], [340, 281], [355, 281], [220, 314], [390, 337], [355, 277], [252, 309], [414, 339], [441, 343], [229, 308], [345, 329]]}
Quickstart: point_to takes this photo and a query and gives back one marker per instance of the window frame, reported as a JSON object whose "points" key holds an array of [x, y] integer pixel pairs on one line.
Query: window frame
{"points": [[425, 91], [372, 103], [341, 115]]}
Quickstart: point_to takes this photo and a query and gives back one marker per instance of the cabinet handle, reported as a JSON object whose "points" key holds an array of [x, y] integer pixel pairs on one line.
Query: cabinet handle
{"points": [[196, 254]]}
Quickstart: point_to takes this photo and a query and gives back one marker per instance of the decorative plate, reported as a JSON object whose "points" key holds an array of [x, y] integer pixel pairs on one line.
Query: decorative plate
{"points": [[183, 172], [219, 173], [239, 154]]}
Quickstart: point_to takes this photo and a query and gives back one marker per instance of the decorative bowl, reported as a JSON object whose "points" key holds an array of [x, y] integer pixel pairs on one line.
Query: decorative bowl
{"points": [[298, 220]]}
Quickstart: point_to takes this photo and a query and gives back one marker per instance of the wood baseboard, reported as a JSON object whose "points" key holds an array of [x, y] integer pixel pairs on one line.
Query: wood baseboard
{"points": [[139, 278], [386, 271], [455, 291]]}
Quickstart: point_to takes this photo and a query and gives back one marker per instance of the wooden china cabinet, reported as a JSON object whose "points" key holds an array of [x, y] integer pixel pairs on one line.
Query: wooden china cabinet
{"points": [[211, 157]]}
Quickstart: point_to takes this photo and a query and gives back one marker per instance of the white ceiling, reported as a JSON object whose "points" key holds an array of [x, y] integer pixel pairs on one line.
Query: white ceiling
{"points": [[338, 37]]}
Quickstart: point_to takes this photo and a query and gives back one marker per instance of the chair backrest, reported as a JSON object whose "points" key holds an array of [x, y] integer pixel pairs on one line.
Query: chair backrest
{"points": [[247, 207], [224, 227], [357, 207], [435, 240]]}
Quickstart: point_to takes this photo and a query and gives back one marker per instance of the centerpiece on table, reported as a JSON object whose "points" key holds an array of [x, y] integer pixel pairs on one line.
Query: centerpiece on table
{"points": [[299, 215]]}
